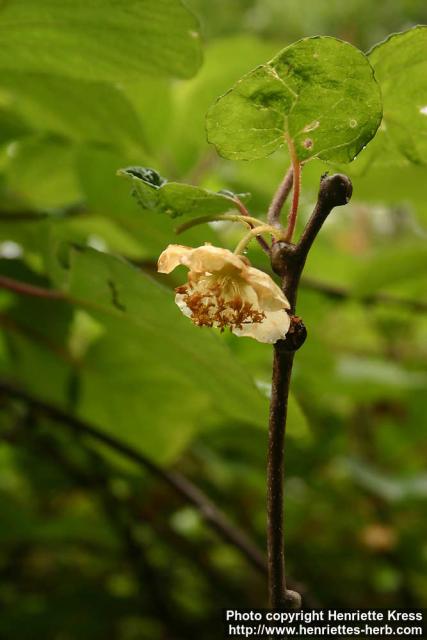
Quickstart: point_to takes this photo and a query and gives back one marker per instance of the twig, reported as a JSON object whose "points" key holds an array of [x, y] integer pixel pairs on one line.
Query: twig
{"points": [[181, 485], [23, 216], [279, 198], [27, 289], [243, 210], [115, 509], [334, 191], [265, 228], [288, 261], [282, 368], [37, 216], [251, 222], [296, 170]]}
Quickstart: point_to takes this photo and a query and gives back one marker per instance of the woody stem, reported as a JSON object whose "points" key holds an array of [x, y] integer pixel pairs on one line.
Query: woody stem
{"points": [[288, 262]]}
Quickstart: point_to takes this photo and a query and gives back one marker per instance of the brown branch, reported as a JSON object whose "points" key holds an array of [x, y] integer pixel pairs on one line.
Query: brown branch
{"points": [[279, 198], [334, 191], [181, 485], [23, 216], [37, 216], [288, 261], [115, 510], [282, 368], [296, 170], [26, 289]]}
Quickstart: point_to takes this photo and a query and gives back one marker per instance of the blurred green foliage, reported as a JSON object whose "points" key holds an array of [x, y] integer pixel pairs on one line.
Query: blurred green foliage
{"points": [[92, 546]]}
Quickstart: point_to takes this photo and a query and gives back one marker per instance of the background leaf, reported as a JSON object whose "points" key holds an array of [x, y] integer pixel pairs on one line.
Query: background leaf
{"points": [[102, 41], [79, 110], [79, 525], [401, 69], [182, 368]]}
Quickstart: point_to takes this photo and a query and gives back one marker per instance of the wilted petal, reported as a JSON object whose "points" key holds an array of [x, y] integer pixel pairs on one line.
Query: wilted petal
{"points": [[180, 302], [209, 259], [171, 257], [267, 290], [274, 327]]}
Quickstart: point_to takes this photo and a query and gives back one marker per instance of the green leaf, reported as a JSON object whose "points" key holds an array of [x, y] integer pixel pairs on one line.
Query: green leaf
{"points": [[320, 92], [297, 425], [391, 265], [79, 110], [41, 173], [153, 379], [101, 40], [153, 192], [225, 61], [389, 488], [12, 126], [35, 331], [151, 101], [400, 65], [109, 197]]}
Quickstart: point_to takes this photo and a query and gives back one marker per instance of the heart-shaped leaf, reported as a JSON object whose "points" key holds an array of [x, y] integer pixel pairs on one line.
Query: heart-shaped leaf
{"points": [[319, 92]]}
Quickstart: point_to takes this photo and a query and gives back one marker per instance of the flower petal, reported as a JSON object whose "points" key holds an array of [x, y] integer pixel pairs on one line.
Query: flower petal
{"points": [[274, 327], [223, 290], [269, 294], [209, 259], [180, 301], [171, 257], [204, 259]]}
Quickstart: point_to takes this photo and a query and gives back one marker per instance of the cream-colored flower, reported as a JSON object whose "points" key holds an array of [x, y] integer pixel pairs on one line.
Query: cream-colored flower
{"points": [[223, 290]]}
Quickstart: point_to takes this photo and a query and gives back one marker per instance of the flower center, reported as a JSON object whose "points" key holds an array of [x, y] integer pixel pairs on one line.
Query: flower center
{"points": [[219, 302]]}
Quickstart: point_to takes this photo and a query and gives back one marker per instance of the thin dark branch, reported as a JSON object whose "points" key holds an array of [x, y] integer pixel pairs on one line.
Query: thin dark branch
{"points": [[334, 191], [282, 369], [22, 216], [135, 550], [181, 485], [26, 289], [114, 508], [279, 198], [288, 261], [37, 216]]}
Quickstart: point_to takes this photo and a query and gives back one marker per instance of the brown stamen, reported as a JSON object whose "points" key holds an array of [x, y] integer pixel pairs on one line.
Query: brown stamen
{"points": [[209, 308]]}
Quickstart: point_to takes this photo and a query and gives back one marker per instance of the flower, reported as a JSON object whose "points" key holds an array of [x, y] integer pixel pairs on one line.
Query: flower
{"points": [[223, 290]]}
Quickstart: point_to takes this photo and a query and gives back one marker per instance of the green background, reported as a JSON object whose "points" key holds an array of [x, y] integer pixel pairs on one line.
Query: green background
{"points": [[95, 546]]}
